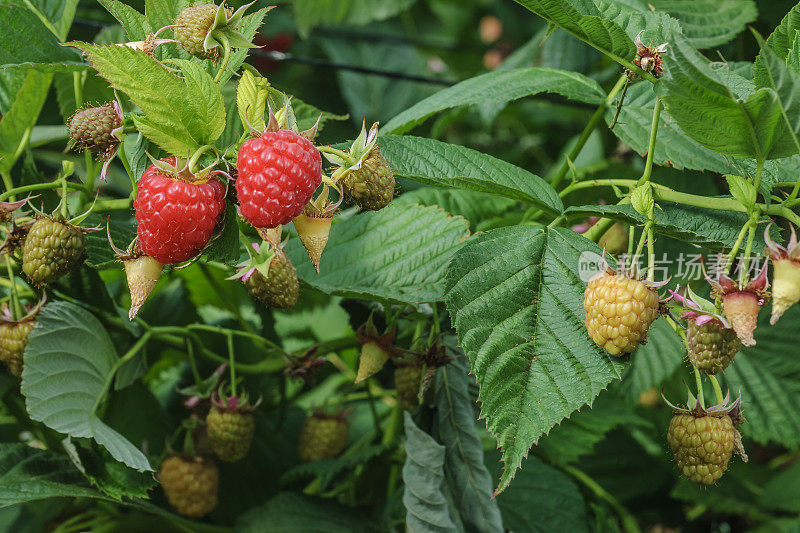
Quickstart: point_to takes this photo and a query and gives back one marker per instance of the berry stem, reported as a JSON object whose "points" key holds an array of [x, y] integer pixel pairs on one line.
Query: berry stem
{"points": [[587, 132], [192, 361], [629, 524], [743, 272], [339, 153], [699, 383], [736, 246], [138, 345], [38, 187], [226, 55], [651, 148], [196, 156], [717, 389], [16, 309], [232, 364], [651, 253], [64, 197], [648, 227]]}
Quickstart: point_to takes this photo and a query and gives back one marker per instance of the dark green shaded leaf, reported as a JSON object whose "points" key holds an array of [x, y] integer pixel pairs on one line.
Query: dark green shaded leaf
{"points": [[25, 42]]}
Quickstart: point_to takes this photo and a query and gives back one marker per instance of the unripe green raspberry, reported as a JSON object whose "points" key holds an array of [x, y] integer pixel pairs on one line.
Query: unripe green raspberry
{"points": [[230, 433], [13, 339], [372, 186], [190, 484], [93, 129], [51, 249], [191, 27], [711, 346], [322, 437], [406, 383], [281, 288], [619, 311], [702, 445]]}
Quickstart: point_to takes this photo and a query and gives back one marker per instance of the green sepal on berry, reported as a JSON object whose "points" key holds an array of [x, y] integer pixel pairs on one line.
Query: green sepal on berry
{"points": [[269, 275], [203, 29], [376, 349], [704, 439], [230, 426], [710, 341]]}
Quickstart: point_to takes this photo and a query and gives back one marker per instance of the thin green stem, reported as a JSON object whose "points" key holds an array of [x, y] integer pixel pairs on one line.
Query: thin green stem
{"points": [[38, 187], [631, 237], [16, 308], [390, 435], [192, 361], [196, 156], [117, 204], [717, 389], [642, 239], [121, 361], [226, 55], [651, 148], [587, 132], [759, 171], [64, 197], [232, 364], [340, 153], [751, 234], [651, 254], [699, 383], [736, 246], [8, 185], [629, 524], [77, 87]]}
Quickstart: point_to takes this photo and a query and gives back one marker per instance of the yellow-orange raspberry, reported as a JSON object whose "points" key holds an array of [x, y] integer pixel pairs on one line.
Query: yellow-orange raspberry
{"points": [[619, 311]]}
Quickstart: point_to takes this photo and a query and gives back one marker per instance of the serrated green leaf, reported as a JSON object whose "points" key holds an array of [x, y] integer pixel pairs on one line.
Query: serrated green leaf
{"points": [[446, 165], [56, 14], [769, 382], [742, 190], [251, 100], [773, 73], [135, 24], [24, 112], [655, 27], [28, 474], [587, 25], [162, 13], [248, 27], [180, 114], [782, 38], [25, 42], [464, 468], [541, 499], [427, 506], [398, 253], [472, 205], [707, 110], [516, 299], [500, 86], [112, 478], [706, 23], [68, 361], [713, 229]]}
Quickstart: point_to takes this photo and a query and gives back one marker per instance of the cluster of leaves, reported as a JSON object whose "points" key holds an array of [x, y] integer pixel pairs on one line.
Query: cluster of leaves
{"points": [[476, 255]]}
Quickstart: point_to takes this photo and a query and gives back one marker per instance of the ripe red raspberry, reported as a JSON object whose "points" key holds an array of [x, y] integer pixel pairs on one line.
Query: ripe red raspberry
{"points": [[176, 217], [278, 173], [702, 445], [619, 311]]}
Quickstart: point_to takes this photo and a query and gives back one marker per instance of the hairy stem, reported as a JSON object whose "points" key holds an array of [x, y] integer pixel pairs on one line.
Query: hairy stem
{"points": [[699, 383], [587, 131], [651, 147], [38, 187], [717, 389], [226, 55], [16, 308]]}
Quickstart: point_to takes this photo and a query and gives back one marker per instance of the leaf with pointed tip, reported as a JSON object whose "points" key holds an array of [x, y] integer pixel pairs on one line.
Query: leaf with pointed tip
{"points": [[499, 86], [135, 24], [69, 360], [440, 164], [428, 507], [584, 20], [773, 73], [25, 42], [707, 110], [398, 253], [515, 295]]}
